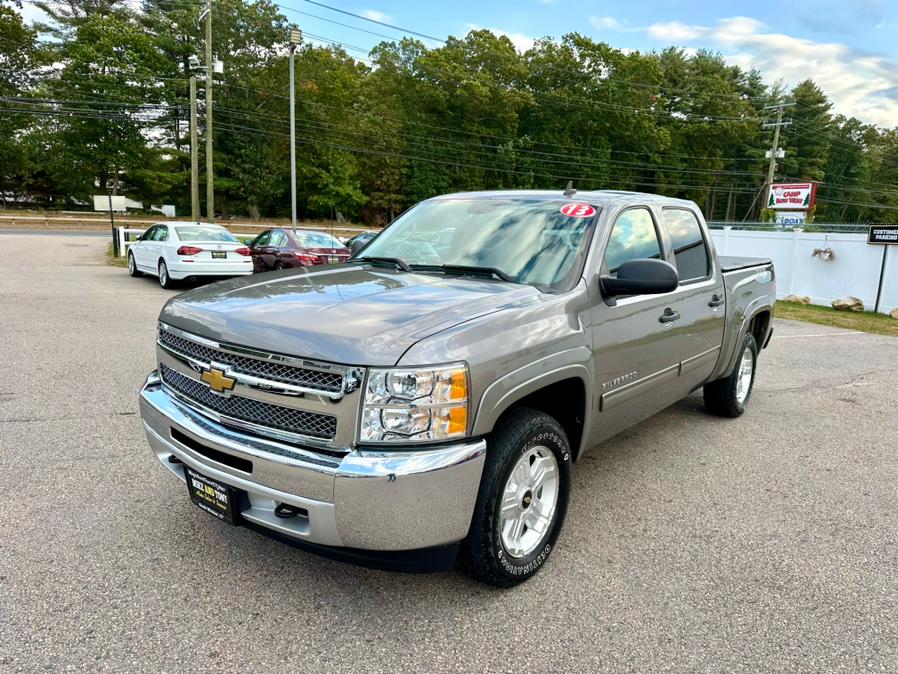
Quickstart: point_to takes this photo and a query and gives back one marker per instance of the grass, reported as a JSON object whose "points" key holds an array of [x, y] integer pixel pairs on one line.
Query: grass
{"points": [[115, 261], [865, 321]]}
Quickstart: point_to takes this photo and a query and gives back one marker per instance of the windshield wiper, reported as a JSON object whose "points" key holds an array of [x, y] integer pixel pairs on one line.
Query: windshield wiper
{"points": [[395, 261], [467, 270]]}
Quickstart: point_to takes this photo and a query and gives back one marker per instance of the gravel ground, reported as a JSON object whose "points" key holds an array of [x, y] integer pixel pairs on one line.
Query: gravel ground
{"points": [[766, 543]]}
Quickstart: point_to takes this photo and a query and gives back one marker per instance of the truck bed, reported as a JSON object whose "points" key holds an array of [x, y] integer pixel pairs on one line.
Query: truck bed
{"points": [[735, 263]]}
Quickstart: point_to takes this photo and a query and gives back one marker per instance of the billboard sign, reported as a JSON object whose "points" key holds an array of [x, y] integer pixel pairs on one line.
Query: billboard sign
{"points": [[792, 196], [102, 202]]}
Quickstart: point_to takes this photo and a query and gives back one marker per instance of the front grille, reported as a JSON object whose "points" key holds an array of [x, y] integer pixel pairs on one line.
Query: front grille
{"points": [[332, 382], [256, 412]]}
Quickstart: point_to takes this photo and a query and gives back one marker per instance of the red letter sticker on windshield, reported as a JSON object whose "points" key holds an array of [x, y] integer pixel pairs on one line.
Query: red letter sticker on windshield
{"points": [[578, 210]]}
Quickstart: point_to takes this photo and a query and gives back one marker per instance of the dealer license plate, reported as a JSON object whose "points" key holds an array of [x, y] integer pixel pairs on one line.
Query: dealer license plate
{"points": [[219, 254], [214, 497]]}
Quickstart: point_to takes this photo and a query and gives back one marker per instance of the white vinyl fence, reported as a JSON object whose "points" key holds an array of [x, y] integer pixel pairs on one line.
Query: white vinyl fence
{"points": [[853, 270]]}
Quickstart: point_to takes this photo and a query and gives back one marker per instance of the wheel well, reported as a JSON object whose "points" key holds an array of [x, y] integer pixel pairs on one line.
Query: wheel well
{"points": [[758, 327], [564, 401]]}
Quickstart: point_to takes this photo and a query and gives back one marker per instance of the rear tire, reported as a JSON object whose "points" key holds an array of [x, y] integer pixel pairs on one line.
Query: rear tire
{"points": [[728, 397], [164, 279], [522, 501], [132, 266]]}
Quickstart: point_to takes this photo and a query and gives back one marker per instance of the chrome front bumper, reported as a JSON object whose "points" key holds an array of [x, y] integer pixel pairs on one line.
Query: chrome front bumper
{"points": [[368, 500]]}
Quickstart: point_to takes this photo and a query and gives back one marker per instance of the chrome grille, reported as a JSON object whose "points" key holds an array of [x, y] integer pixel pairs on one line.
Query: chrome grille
{"points": [[252, 411], [331, 382]]}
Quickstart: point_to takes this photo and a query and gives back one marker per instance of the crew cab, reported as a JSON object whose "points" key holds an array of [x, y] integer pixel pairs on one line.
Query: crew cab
{"points": [[424, 403]]}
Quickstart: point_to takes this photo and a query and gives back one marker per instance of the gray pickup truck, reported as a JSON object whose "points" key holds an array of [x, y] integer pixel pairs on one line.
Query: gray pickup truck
{"points": [[424, 403]]}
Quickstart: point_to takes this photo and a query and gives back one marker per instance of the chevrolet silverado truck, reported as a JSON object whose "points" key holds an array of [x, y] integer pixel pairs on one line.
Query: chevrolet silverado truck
{"points": [[423, 404]]}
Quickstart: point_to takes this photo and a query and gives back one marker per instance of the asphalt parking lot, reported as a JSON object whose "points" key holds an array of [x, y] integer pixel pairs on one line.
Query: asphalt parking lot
{"points": [[692, 543]]}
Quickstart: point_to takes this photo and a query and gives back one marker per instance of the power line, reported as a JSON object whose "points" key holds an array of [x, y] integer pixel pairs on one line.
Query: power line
{"points": [[380, 23]]}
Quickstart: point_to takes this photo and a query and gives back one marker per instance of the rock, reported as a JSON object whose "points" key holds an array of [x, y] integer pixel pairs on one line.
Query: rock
{"points": [[894, 313], [848, 304], [797, 299]]}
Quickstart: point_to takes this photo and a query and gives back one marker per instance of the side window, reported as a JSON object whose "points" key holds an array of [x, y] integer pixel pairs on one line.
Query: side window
{"points": [[632, 237], [689, 247], [161, 233], [263, 239], [278, 239], [149, 234]]}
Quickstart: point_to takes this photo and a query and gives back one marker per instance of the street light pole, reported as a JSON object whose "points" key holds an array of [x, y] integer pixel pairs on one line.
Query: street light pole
{"points": [[295, 37], [210, 192], [194, 156]]}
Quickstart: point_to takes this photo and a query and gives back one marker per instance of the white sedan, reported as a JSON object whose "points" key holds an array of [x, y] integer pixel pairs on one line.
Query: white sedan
{"points": [[178, 250]]}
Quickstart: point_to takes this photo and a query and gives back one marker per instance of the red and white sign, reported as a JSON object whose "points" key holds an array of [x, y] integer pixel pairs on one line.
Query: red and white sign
{"points": [[792, 196], [578, 210]]}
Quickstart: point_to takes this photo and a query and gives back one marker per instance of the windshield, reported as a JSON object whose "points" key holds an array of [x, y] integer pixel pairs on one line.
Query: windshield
{"points": [[317, 240], [540, 243], [196, 233]]}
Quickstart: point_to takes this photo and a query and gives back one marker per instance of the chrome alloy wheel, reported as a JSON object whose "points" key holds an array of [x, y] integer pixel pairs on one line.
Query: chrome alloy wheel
{"points": [[529, 501], [746, 370], [131, 267], [163, 274]]}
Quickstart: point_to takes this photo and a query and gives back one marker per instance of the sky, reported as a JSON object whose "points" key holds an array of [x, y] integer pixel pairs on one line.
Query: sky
{"points": [[848, 47]]}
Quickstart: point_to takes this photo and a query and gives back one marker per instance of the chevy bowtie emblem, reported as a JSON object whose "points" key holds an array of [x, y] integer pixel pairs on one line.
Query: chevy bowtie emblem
{"points": [[218, 381]]}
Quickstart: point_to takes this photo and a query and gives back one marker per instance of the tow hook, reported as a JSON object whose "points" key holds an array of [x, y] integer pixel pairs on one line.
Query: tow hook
{"points": [[287, 511]]}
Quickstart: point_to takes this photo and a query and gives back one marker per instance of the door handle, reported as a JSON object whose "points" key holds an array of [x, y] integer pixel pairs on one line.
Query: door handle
{"points": [[669, 315], [716, 301]]}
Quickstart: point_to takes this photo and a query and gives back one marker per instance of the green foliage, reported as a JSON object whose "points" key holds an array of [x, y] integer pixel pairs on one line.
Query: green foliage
{"points": [[373, 139]]}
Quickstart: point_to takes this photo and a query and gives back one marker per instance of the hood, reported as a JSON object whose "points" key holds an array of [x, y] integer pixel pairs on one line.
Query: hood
{"points": [[345, 314]]}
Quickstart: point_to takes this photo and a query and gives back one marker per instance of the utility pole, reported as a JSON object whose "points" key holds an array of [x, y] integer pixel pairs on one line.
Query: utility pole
{"points": [[295, 37], [210, 192], [194, 156], [775, 152]]}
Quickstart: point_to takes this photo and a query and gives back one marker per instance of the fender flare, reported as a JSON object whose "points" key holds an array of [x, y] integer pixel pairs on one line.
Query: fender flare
{"points": [[499, 396]]}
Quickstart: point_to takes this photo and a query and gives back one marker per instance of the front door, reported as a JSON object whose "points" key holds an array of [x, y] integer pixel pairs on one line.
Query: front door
{"points": [[636, 370]]}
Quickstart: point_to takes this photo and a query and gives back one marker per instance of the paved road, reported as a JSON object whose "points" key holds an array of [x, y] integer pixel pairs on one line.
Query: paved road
{"points": [[692, 543]]}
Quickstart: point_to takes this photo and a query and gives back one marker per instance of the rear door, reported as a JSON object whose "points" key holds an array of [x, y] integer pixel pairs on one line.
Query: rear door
{"points": [[636, 371], [697, 334]]}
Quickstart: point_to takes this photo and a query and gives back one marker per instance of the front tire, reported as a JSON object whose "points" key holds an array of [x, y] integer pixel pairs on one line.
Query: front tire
{"points": [[728, 397], [164, 279], [132, 266], [522, 500]]}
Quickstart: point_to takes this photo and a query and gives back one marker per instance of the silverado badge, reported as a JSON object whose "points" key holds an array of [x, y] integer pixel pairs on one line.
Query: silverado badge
{"points": [[218, 381]]}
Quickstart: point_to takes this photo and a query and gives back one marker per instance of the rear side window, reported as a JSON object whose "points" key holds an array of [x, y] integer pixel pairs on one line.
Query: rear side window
{"points": [[689, 247], [161, 233], [633, 237], [278, 239]]}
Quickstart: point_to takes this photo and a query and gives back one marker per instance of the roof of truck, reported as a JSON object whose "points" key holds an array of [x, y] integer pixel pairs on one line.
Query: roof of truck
{"points": [[595, 197]]}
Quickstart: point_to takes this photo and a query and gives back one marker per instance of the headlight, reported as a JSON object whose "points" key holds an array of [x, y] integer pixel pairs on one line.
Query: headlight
{"points": [[415, 404]]}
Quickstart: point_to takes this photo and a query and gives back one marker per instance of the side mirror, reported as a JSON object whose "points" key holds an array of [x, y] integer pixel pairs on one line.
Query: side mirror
{"points": [[356, 246], [641, 277]]}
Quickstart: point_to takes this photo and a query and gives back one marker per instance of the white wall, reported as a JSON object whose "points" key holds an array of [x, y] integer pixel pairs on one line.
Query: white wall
{"points": [[854, 270]]}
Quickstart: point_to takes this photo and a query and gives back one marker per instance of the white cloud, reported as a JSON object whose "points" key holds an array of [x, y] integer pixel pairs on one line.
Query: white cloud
{"points": [[375, 15], [520, 41], [859, 84], [605, 23], [674, 31]]}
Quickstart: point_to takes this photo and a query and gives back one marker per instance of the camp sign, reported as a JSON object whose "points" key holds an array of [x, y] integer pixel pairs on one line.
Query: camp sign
{"points": [[792, 196]]}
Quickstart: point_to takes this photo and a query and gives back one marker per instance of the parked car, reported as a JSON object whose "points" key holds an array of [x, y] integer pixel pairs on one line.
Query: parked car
{"points": [[359, 241], [284, 248], [428, 404], [180, 250]]}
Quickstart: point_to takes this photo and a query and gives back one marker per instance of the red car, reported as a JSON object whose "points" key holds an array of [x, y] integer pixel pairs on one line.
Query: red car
{"points": [[282, 248]]}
